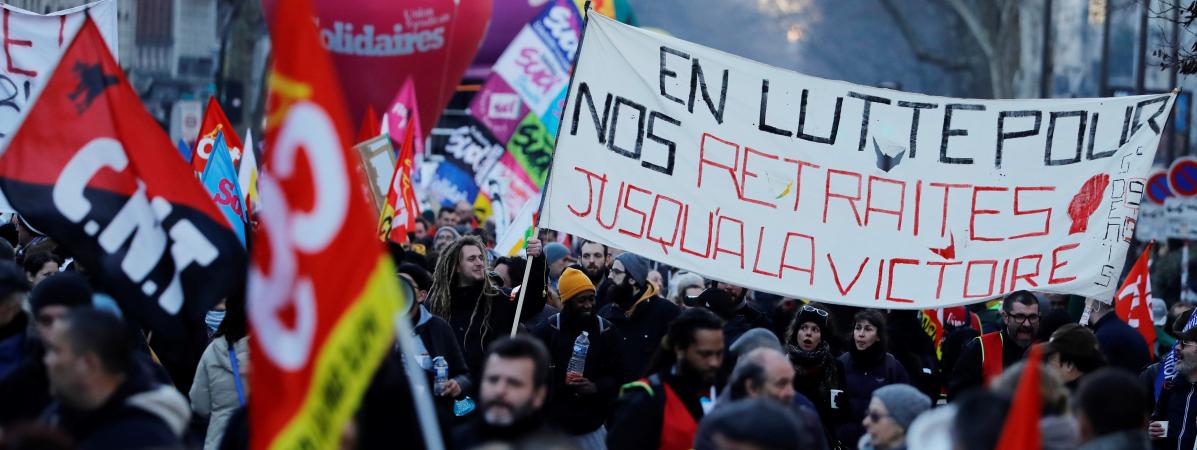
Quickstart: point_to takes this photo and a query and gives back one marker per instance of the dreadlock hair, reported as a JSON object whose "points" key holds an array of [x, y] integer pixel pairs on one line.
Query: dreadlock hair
{"points": [[444, 279]]}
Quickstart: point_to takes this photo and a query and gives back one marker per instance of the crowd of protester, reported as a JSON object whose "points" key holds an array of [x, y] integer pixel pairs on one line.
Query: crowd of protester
{"points": [[674, 360]]}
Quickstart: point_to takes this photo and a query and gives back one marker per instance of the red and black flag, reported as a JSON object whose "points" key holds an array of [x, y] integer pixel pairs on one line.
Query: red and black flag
{"points": [[91, 169]]}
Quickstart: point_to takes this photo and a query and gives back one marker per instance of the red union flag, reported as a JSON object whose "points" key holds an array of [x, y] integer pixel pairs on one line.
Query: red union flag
{"points": [[215, 122], [322, 292], [401, 208], [1133, 304], [90, 168]]}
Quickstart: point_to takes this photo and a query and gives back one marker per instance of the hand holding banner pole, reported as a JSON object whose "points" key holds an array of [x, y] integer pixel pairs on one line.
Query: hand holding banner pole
{"points": [[519, 305]]}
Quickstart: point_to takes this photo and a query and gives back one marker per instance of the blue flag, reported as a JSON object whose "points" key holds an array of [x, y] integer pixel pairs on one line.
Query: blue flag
{"points": [[220, 179], [185, 150]]}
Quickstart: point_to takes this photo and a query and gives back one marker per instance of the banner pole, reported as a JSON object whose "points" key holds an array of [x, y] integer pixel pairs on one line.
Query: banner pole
{"points": [[519, 304], [425, 410]]}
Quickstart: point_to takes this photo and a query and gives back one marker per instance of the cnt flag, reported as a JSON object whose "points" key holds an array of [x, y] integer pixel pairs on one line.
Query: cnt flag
{"points": [[115, 192], [322, 292], [1133, 304], [220, 180], [214, 122]]}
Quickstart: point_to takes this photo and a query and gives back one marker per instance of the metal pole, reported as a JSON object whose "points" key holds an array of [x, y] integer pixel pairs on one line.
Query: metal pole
{"points": [[1103, 85], [1141, 51], [1171, 136], [1045, 60]]}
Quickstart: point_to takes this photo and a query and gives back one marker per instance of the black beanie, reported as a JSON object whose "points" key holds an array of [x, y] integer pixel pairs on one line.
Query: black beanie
{"points": [[806, 315], [422, 278], [68, 289]]}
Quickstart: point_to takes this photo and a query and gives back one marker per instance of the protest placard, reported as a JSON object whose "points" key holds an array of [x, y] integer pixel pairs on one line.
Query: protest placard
{"points": [[33, 44], [378, 162], [847, 194]]}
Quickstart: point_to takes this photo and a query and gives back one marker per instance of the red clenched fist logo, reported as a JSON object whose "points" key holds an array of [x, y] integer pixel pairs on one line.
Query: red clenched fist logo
{"points": [[1085, 202]]}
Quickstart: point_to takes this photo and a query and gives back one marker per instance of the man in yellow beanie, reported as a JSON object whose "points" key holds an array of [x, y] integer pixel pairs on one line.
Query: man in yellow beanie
{"points": [[579, 403]]}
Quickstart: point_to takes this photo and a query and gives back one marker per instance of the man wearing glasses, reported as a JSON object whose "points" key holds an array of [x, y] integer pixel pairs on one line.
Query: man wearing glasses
{"points": [[984, 358], [1172, 419]]}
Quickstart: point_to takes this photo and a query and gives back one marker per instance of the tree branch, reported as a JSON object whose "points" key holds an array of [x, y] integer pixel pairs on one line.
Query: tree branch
{"points": [[974, 26], [912, 40]]}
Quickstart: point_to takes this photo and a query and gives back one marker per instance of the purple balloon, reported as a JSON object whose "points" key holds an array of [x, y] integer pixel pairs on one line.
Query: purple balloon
{"points": [[507, 19]]}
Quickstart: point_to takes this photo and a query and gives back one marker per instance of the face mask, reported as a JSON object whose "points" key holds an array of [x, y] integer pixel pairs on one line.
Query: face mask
{"points": [[213, 319]]}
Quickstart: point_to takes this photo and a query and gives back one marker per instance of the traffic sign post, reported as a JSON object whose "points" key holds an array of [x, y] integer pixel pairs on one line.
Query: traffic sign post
{"points": [[1182, 176]]}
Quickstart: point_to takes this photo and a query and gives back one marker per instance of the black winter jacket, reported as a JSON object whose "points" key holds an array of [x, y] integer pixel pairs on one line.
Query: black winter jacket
{"points": [[569, 411]]}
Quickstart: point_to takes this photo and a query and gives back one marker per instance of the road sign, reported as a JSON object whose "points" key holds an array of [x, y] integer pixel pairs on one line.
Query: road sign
{"points": [[1157, 186], [1182, 176]]}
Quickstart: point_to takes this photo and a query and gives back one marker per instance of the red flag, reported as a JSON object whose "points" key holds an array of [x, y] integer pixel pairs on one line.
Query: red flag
{"points": [[91, 168], [322, 292], [371, 126], [401, 208], [214, 122], [1021, 431], [1133, 304]]}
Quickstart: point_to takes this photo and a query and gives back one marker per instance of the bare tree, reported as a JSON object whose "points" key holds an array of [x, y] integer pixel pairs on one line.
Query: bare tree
{"points": [[994, 27]]}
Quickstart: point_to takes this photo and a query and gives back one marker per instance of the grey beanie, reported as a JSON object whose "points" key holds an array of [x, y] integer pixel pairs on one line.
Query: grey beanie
{"points": [[635, 266], [754, 339], [904, 402]]}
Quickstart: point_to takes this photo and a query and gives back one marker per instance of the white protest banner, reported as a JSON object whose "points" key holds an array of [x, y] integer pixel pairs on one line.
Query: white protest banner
{"points": [[32, 45], [840, 193]]}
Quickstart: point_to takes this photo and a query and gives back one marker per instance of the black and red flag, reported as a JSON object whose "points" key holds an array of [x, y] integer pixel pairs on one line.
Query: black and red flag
{"points": [[90, 168]]}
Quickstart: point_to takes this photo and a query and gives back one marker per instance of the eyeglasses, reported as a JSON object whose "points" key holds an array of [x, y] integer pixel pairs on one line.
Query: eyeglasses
{"points": [[615, 271], [876, 417], [814, 310], [1024, 318]]}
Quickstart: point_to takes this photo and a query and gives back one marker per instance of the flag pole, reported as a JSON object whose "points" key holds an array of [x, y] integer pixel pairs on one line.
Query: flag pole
{"points": [[519, 305], [425, 411]]}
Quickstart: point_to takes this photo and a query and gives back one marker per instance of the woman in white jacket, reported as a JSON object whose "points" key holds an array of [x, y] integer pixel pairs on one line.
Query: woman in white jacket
{"points": [[221, 382]]}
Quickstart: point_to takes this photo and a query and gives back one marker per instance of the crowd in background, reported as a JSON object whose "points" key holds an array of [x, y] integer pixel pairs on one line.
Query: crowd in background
{"points": [[673, 360]]}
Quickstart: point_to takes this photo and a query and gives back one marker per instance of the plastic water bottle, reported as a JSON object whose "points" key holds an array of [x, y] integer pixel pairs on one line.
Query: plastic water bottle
{"points": [[577, 362], [441, 368]]}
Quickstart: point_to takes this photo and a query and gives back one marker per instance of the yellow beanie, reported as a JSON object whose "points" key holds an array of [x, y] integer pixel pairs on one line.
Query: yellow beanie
{"points": [[573, 283]]}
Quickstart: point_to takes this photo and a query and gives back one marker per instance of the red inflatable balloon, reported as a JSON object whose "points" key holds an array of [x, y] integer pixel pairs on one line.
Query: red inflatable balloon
{"points": [[376, 44]]}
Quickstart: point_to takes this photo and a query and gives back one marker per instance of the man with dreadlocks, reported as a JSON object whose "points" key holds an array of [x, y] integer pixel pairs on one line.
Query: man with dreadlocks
{"points": [[479, 311]]}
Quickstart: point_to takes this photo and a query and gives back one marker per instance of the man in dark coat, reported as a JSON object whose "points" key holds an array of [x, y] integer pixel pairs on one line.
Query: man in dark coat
{"points": [[479, 311], [104, 399], [510, 398], [638, 313], [14, 322], [1020, 325], [662, 410], [579, 403], [738, 315], [26, 389], [1176, 400], [1122, 345]]}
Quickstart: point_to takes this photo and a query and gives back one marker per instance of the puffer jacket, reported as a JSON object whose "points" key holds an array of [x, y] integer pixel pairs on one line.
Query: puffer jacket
{"points": [[214, 391]]}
